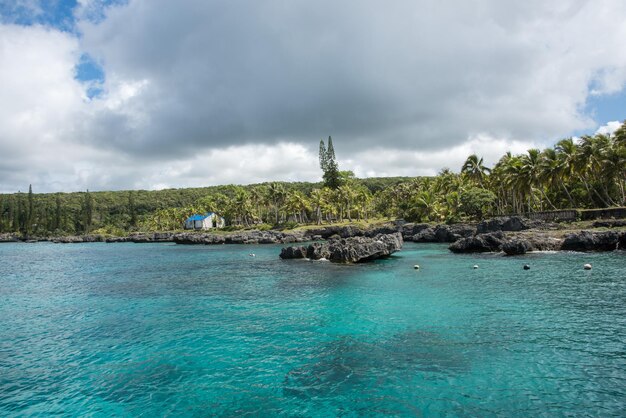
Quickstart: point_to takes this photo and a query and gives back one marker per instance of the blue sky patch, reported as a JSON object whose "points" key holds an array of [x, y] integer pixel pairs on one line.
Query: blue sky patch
{"points": [[55, 13], [607, 107], [59, 14], [90, 72]]}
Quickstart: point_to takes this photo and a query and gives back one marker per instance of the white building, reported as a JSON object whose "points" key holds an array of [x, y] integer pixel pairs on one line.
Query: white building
{"points": [[204, 222]]}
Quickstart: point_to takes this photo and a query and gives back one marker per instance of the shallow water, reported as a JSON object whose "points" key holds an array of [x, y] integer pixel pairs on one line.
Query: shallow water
{"points": [[159, 329]]}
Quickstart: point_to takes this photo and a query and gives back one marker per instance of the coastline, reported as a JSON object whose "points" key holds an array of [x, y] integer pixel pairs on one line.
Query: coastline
{"points": [[511, 235]]}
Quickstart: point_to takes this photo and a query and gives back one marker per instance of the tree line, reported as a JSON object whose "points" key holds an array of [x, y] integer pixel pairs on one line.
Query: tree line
{"points": [[589, 172]]}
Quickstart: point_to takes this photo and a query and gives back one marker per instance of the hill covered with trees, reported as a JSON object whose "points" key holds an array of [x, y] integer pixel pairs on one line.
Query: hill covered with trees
{"points": [[585, 173]]}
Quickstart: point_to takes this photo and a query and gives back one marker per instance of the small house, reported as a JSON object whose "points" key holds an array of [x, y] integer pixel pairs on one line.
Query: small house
{"points": [[204, 222]]}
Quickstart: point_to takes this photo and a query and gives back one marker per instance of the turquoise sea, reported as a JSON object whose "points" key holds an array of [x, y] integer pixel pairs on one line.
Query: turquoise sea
{"points": [[165, 330]]}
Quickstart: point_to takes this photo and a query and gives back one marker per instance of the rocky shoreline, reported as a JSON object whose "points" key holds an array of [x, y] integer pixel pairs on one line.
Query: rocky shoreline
{"points": [[516, 236], [348, 250], [510, 235]]}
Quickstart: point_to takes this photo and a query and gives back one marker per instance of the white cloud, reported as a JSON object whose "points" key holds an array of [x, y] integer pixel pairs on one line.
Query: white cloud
{"points": [[609, 127], [207, 92], [39, 104], [392, 162]]}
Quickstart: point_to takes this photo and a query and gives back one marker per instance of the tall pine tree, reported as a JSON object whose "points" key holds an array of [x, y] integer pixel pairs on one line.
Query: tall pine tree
{"points": [[328, 164]]}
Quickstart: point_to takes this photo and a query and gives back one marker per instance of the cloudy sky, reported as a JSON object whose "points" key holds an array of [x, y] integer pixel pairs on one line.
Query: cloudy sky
{"points": [[157, 93]]}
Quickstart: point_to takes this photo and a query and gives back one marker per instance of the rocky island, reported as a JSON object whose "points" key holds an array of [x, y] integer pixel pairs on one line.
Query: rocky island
{"points": [[348, 250]]}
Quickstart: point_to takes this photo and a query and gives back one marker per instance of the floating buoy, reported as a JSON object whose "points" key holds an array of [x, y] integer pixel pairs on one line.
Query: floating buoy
{"points": [[526, 267], [416, 267], [475, 266], [252, 255], [587, 266]]}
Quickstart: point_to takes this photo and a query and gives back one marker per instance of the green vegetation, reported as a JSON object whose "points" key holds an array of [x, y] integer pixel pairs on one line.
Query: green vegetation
{"points": [[328, 164], [590, 173]]}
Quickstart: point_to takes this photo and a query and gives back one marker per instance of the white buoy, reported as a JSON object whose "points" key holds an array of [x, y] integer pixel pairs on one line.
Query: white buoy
{"points": [[252, 255], [587, 266], [475, 266], [416, 267]]}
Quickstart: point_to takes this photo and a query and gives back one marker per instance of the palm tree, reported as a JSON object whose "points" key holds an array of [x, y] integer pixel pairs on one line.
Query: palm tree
{"points": [[427, 206], [498, 181], [533, 175], [363, 200], [257, 198], [318, 200], [242, 206], [566, 151], [474, 169], [619, 136], [347, 194], [588, 163], [614, 172], [297, 204], [551, 173], [276, 194]]}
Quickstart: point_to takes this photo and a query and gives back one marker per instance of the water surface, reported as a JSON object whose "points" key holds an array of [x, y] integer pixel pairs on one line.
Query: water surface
{"points": [[159, 329]]}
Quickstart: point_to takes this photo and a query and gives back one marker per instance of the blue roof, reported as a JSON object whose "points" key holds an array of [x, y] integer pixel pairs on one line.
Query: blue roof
{"points": [[199, 217]]}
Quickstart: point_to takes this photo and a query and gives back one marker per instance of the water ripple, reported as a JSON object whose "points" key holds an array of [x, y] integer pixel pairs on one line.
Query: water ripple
{"points": [[152, 330]]}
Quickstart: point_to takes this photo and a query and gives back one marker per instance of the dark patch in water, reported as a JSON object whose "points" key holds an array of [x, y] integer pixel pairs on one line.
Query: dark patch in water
{"points": [[142, 380], [348, 364]]}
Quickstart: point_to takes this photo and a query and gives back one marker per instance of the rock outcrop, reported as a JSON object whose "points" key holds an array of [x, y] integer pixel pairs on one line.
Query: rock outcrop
{"points": [[74, 239], [348, 250], [444, 233], [591, 241], [480, 243], [243, 237], [509, 223], [609, 223], [8, 238], [516, 244], [516, 247]]}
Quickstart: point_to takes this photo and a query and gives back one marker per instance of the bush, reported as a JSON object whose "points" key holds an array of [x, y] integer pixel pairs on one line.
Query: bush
{"points": [[289, 225], [476, 201]]}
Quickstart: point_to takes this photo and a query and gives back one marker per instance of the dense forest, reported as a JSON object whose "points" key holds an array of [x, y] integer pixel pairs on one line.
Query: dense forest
{"points": [[589, 172]]}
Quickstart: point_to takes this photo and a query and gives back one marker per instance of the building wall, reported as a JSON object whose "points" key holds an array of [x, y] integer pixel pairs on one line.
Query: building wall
{"points": [[206, 223]]}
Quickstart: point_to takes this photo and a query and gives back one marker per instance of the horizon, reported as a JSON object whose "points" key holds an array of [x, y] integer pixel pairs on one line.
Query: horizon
{"points": [[113, 95]]}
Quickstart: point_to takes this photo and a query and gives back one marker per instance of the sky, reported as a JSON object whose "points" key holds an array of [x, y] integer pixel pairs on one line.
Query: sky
{"points": [[152, 94]]}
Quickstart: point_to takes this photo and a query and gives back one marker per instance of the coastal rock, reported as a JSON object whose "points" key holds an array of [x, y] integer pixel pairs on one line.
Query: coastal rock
{"points": [[326, 232], [444, 233], [343, 231], [409, 230], [293, 252], [244, 237], [348, 250], [590, 241], [425, 235], [190, 238], [516, 247], [71, 239], [510, 223], [543, 242], [8, 238], [609, 223], [490, 242], [622, 241], [384, 229]]}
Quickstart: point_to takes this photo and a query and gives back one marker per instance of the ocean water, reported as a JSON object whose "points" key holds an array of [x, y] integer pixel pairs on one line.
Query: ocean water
{"points": [[165, 330]]}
